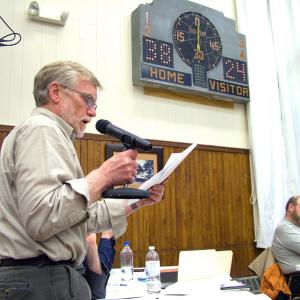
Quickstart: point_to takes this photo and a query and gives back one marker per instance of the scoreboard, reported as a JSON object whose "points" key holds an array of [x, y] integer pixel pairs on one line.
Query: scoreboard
{"points": [[186, 47]]}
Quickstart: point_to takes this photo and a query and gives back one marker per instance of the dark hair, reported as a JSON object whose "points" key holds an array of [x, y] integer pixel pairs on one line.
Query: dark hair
{"points": [[292, 200]]}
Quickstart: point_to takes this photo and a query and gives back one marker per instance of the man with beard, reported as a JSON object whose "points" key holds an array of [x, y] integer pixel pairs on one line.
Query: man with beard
{"points": [[286, 244], [47, 205]]}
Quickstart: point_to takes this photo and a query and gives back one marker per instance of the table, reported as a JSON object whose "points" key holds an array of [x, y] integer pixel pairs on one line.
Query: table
{"points": [[198, 289]]}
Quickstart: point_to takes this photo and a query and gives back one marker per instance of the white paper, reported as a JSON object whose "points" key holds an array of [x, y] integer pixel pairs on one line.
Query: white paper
{"points": [[172, 163], [118, 289], [208, 289], [191, 290], [233, 283]]}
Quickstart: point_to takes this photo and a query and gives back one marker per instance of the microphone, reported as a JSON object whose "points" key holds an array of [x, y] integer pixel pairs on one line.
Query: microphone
{"points": [[129, 140]]}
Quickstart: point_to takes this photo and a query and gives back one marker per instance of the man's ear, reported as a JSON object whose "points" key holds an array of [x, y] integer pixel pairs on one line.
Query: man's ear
{"points": [[54, 92], [291, 205]]}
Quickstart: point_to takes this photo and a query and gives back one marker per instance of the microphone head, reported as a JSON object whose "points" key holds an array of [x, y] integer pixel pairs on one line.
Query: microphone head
{"points": [[129, 140], [101, 126]]}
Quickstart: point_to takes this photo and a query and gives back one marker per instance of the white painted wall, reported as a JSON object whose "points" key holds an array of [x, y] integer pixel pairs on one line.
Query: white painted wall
{"points": [[98, 35]]}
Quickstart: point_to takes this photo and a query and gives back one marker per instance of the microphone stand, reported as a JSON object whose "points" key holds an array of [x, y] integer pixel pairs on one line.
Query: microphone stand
{"points": [[125, 192]]}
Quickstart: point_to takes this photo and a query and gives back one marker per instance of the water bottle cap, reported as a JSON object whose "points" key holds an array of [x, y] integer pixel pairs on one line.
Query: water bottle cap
{"points": [[126, 243], [151, 248]]}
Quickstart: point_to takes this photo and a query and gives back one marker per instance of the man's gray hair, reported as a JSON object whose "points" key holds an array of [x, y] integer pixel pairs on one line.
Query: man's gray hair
{"points": [[63, 72]]}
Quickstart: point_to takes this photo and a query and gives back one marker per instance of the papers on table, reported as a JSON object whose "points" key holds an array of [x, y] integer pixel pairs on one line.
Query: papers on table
{"points": [[209, 289], [191, 290], [235, 285], [118, 289], [172, 163]]}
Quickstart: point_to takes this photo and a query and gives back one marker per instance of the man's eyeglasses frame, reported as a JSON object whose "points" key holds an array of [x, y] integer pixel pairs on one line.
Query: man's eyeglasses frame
{"points": [[88, 99]]}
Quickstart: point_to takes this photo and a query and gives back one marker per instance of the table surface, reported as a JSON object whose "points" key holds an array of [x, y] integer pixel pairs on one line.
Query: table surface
{"points": [[197, 289]]}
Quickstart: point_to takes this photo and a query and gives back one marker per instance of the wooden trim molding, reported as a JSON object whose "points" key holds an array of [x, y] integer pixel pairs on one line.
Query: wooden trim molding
{"points": [[107, 138]]}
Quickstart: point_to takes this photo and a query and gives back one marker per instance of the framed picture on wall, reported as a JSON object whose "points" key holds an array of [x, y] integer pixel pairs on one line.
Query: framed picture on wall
{"points": [[149, 163]]}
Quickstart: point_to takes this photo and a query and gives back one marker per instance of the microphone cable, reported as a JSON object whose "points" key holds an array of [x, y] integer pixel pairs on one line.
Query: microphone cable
{"points": [[9, 39]]}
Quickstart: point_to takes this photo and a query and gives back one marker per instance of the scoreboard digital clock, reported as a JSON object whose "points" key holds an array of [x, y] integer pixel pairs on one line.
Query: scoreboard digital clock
{"points": [[187, 47]]}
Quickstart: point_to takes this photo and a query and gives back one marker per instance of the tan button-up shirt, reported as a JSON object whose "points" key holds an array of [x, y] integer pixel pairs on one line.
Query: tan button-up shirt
{"points": [[44, 198]]}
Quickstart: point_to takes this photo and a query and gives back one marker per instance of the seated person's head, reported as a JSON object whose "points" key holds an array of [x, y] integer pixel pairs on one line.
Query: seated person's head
{"points": [[292, 209]]}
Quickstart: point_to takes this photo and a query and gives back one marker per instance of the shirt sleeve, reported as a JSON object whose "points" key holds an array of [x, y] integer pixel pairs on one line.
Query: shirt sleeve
{"points": [[289, 236], [108, 214], [49, 199]]}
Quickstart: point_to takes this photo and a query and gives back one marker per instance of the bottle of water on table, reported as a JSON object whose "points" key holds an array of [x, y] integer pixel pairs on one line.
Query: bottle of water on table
{"points": [[152, 267], [126, 259]]}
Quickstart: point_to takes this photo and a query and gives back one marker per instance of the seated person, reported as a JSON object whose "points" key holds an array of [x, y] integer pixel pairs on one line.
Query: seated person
{"points": [[98, 262], [286, 245]]}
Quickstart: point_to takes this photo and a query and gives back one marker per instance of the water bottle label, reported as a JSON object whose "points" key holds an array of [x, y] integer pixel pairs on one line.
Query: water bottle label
{"points": [[153, 268], [126, 273]]}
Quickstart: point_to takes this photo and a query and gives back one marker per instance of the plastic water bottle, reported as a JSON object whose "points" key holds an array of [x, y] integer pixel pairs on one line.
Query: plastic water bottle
{"points": [[126, 259], [153, 271]]}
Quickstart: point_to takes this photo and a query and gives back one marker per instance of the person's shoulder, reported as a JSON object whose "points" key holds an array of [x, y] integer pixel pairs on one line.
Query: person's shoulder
{"points": [[40, 119], [36, 122], [285, 226]]}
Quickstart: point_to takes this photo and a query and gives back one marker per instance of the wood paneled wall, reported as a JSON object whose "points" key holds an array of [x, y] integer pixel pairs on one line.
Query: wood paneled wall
{"points": [[206, 204]]}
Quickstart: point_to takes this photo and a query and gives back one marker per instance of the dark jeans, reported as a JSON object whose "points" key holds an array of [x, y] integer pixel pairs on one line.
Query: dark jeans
{"points": [[50, 282], [293, 281], [97, 282]]}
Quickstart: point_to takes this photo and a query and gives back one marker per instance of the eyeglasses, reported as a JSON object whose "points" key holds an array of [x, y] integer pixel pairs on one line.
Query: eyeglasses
{"points": [[88, 99]]}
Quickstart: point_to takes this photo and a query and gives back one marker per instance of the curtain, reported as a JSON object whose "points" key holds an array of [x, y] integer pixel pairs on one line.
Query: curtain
{"points": [[273, 42]]}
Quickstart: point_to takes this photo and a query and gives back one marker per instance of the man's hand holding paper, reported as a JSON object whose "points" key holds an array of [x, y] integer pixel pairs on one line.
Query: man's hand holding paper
{"points": [[172, 163]]}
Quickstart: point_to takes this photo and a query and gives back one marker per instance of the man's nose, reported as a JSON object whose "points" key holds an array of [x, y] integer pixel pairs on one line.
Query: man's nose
{"points": [[92, 112]]}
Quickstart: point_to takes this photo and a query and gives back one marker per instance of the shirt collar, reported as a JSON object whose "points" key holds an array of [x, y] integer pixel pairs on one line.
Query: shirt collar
{"points": [[65, 126]]}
